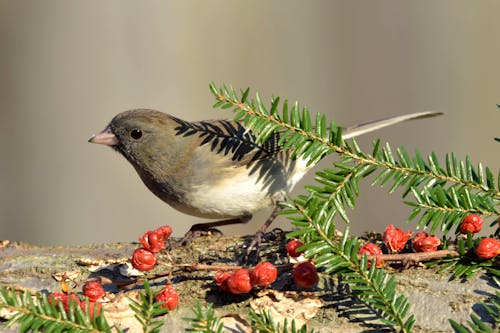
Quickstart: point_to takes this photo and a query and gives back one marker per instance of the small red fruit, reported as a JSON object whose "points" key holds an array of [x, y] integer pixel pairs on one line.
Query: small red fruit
{"points": [[292, 246], [263, 274], [305, 275], [220, 278], [57, 297], [93, 290], [488, 248], [239, 282], [63, 298], [143, 259], [395, 239], [169, 297], [153, 241], [93, 307], [471, 223], [425, 243], [165, 231], [372, 249]]}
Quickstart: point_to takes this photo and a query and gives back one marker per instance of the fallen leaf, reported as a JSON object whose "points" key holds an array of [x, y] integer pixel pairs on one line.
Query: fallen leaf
{"points": [[235, 324], [96, 265], [119, 313], [289, 305]]}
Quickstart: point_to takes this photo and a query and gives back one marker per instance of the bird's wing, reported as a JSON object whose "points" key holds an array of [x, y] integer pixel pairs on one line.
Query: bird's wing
{"points": [[230, 139]]}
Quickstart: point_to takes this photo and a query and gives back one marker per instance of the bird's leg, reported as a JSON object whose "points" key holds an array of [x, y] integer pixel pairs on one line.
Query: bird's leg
{"points": [[201, 228], [257, 238]]}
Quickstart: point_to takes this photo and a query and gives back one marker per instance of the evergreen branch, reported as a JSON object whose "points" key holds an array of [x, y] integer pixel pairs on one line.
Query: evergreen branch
{"points": [[263, 322], [147, 309], [36, 313], [477, 324], [263, 122], [373, 286], [339, 189], [444, 195], [444, 206], [466, 264], [205, 321]]}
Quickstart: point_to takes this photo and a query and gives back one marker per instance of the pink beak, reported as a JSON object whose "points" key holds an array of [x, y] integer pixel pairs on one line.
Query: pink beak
{"points": [[106, 137]]}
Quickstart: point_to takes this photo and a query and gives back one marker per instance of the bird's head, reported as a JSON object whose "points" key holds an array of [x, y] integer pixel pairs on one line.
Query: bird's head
{"points": [[145, 137]]}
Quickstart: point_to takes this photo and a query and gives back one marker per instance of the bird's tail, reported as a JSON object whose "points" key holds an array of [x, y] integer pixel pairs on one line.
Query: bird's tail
{"points": [[374, 125]]}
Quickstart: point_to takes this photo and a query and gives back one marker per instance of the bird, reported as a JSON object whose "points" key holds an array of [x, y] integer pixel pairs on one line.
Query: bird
{"points": [[214, 169]]}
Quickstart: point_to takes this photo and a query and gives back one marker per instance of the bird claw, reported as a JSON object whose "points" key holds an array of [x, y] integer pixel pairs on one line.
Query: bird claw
{"points": [[250, 253], [251, 250]]}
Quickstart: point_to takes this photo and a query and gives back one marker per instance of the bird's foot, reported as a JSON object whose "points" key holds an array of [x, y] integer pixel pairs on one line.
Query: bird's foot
{"points": [[250, 253]]}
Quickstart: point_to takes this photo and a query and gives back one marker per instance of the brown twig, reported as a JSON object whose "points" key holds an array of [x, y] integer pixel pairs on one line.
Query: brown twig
{"points": [[417, 257], [196, 267], [179, 269]]}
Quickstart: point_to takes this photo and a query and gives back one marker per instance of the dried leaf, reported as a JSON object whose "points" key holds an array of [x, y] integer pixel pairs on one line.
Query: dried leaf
{"points": [[290, 305]]}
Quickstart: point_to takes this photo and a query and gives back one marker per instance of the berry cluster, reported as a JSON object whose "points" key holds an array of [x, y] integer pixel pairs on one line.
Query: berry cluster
{"points": [[144, 259], [153, 241], [243, 280], [396, 240], [92, 290], [304, 272], [488, 247]]}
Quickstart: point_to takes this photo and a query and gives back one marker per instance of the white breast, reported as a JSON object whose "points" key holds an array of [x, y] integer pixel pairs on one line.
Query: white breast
{"points": [[240, 195]]}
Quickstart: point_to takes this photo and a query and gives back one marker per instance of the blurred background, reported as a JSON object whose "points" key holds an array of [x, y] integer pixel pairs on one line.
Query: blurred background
{"points": [[67, 67]]}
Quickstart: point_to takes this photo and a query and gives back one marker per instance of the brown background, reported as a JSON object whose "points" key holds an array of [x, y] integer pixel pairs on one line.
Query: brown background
{"points": [[67, 67]]}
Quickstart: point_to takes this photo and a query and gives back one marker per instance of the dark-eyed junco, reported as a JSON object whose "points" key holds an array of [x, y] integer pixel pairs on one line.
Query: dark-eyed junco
{"points": [[212, 169]]}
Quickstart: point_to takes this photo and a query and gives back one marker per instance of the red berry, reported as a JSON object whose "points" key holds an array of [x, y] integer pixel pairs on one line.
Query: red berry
{"points": [[53, 298], [239, 282], [305, 275], [93, 290], [471, 223], [153, 241], [292, 246], [488, 248], [263, 274], [220, 278], [143, 260], [425, 243], [395, 239], [372, 249], [56, 298], [63, 298], [93, 306], [165, 231], [169, 297]]}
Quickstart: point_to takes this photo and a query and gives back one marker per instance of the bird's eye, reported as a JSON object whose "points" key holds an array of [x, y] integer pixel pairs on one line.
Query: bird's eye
{"points": [[136, 133]]}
